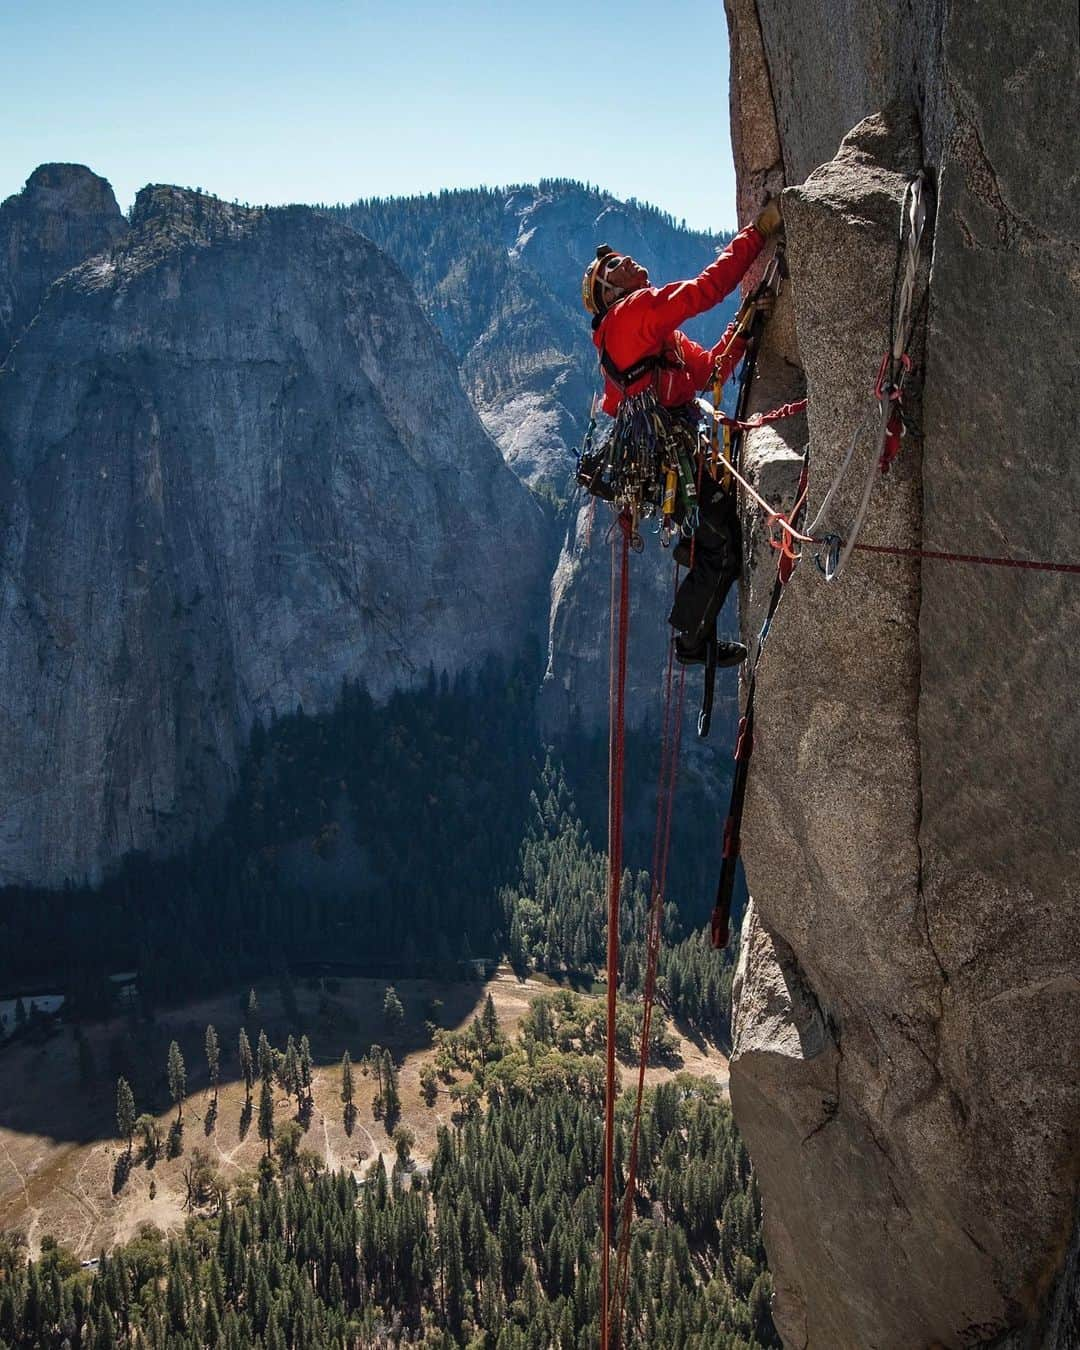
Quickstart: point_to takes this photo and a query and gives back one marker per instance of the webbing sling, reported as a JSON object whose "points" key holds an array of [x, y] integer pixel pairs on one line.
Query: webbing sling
{"points": [[744, 744]]}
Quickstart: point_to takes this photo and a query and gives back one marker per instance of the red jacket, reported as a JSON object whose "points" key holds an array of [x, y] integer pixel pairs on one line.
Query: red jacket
{"points": [[646, 323]]}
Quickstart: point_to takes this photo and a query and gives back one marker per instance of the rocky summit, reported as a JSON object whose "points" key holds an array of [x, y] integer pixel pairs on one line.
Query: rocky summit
{"points": [[905, 1068], [236, 467], [63, 215]]}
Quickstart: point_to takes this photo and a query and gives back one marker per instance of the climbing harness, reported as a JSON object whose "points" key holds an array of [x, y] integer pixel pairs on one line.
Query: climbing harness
{"points": [[888, 390], [644, 463], [625, 377]]}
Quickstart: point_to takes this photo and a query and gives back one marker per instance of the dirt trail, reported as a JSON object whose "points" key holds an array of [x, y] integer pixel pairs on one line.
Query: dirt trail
{"points": [[331, 1156], [29, 1208]]}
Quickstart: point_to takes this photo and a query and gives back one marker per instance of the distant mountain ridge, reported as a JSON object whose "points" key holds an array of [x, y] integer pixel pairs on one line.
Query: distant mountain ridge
{"points": [[498, 271]]}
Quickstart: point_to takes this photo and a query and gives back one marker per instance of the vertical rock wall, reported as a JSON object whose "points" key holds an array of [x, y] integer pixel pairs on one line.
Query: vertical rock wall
{"points": [[236, 468], [905, 1066]]}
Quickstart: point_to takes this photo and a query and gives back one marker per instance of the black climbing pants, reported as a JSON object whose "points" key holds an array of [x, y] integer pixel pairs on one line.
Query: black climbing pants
{"points": [[717, 563]]}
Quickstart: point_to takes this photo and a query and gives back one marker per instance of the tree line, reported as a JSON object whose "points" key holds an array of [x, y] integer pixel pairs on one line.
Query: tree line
{"points": [[390, 837], [494, 1249], [375, 835], [556, 916]]}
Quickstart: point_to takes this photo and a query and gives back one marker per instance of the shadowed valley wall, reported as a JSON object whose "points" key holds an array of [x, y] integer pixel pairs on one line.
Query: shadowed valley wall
{"points": [[236, 466]]}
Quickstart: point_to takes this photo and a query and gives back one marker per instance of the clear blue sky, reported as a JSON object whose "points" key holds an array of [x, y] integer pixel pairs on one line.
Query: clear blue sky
{"points": [[330, 100]]}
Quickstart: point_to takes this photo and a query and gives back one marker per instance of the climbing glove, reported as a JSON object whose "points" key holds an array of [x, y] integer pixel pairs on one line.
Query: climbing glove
{"points": [[769, 220]]}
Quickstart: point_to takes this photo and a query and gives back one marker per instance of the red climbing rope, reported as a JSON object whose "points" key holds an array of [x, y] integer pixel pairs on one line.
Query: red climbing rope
{"points": [[620, 629], [762, 419], [790, 535], [670, 739], [1072, 569]]}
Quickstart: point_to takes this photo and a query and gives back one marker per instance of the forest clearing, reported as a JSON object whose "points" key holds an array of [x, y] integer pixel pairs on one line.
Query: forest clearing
{"points": [[59, 1182]]}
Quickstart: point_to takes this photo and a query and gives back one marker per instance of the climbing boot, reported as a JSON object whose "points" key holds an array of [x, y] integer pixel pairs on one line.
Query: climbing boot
{"points": [[689, 653]]}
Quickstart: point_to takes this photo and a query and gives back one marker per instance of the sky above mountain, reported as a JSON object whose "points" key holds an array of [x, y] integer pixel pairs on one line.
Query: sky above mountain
{"points": [[330, 100]]}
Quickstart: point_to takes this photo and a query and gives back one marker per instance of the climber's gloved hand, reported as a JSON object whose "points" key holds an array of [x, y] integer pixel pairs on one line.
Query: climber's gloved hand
{"points": [[769, 221], [765, 304]]}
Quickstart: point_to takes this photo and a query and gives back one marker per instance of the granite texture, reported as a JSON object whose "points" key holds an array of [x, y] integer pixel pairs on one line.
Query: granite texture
{"points": [[907, 1014]]}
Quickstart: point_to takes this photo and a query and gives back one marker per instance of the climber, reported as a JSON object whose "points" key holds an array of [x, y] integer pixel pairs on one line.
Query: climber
{"points": [[636, 332]]}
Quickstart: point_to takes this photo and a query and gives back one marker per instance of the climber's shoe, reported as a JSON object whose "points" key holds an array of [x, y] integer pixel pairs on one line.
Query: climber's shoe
{"points": [[681, 551], [697, 654]]}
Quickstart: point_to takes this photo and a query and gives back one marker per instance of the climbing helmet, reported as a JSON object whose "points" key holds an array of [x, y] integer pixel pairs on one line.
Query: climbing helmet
{"points": [[597, 293]]}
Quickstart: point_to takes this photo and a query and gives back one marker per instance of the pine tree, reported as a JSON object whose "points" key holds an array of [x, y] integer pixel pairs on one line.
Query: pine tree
{"points": [[391, 1098], [490, 1021], [213, 1058], [266, 1058], [347, 1088], [247, 1065], [177, 1076], [393, 1012], [125, 1111], [305, 1066], [290, 1071], [266, 1115]]}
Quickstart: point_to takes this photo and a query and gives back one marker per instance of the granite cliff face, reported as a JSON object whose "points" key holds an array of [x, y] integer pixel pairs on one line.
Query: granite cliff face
{"points": [[907, 1013], [236, 466]]}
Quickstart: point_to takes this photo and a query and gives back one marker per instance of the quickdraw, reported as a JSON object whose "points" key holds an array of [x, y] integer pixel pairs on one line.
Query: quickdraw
{"points": [[645, 464]]}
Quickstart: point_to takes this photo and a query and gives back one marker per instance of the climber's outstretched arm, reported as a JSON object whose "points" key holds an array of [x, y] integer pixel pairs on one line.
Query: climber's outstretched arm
{"points": [[671, 305]]}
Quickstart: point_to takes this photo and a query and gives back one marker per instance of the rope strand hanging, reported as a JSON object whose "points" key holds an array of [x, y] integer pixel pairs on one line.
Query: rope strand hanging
{"points": [[620, 627]]}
